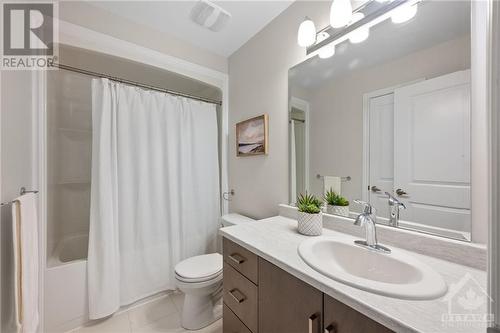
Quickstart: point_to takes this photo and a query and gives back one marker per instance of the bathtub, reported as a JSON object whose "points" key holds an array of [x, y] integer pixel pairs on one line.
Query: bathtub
{"points": [[66, 296], [66, 302]]}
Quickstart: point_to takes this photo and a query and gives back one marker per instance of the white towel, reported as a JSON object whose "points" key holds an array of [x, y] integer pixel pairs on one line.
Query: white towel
{"points": [[334, 183], [25, 240]]}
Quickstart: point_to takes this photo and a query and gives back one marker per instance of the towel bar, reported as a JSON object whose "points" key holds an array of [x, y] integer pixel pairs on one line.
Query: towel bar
{"points": [[22, 191], [343, 179]]}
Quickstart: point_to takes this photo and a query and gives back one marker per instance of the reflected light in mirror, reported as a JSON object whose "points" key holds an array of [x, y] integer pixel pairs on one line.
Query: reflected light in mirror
{"points": [[361, 34], [327, 51], [404, 13], [307, 33], [340, 13]]}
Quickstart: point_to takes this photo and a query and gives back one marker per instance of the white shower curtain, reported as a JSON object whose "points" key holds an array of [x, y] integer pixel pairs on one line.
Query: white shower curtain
{"points": [[155, 191]]}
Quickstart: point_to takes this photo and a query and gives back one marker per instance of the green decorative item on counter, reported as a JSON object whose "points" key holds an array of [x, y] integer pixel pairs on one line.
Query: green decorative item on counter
{"points": [[309, 216], [308, 203]]}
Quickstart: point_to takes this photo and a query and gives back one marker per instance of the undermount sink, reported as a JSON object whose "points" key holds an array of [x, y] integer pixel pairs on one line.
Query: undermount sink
{"points": [[396, 274]]}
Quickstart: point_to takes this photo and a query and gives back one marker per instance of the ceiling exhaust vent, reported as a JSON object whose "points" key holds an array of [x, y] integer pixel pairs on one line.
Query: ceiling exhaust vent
{"points": [[209, 15]]}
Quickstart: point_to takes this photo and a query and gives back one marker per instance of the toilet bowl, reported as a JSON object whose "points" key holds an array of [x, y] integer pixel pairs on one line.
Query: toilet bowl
{"points": [[200, 279]]}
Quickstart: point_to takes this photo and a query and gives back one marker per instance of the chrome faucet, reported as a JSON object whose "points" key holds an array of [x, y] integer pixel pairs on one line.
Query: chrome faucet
{"points": [[394, 206], [368, 219]]}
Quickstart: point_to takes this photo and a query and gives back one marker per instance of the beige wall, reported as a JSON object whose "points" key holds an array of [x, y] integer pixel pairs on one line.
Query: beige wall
{"points": [[258, 83], [15, 171], [337, 109], [94, 18]]}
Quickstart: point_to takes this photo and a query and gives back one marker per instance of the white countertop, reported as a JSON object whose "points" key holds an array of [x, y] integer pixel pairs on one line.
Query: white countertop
{"points": [[276, 240]]}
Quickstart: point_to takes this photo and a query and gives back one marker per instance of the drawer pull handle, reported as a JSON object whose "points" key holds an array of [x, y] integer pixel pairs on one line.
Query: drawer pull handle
{"points": [[237, 295], [330, 329], [237, 258], [313, 320]]}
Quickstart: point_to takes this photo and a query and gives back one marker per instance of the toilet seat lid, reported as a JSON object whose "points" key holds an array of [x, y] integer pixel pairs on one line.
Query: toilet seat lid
{"points": [[200, 266]]}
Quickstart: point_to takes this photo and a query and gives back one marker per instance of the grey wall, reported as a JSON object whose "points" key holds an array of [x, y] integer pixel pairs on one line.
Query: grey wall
{"points": [[258, 83], [15, 171]]}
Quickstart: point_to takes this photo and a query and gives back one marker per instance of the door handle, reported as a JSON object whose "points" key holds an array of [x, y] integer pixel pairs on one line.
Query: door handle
{"points": [[400, 192], [237, 295], [314, 323], [375, 189], [330, 329], [237, 258]]}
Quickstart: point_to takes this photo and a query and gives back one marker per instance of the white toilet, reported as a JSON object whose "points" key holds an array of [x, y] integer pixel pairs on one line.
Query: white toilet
{"points": [[200, 279]]}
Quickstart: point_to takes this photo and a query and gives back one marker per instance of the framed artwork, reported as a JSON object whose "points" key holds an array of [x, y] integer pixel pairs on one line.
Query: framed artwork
{"points": [[252, 136]]}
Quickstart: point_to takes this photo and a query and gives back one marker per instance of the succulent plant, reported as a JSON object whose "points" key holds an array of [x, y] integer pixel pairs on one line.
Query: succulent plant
{"points": [[308, 203], [335, 199]]}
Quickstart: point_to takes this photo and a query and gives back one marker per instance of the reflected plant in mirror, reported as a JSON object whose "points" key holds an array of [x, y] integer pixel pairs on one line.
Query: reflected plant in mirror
{"points": [[397, 107], [336, 204]]}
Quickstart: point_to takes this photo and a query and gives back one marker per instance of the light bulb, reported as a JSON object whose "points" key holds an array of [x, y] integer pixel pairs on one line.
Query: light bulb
{"points": [[326, 51], [404, 13], [340, 13], [360, 34], [307, 33]]}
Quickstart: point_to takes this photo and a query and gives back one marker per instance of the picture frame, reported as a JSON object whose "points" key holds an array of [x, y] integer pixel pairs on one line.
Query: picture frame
{"points": [[252, 136]]}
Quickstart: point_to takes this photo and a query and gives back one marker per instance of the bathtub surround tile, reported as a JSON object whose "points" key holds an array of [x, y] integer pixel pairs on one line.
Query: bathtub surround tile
{"points": [[151, 312]]}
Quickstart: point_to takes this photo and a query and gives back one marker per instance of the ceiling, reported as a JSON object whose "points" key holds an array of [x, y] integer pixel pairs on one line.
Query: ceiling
{"points": [[436, 22], [172, 17]]}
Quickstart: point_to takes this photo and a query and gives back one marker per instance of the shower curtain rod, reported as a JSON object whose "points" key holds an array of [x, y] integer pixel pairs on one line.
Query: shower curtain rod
{"points": [[133, 83]]}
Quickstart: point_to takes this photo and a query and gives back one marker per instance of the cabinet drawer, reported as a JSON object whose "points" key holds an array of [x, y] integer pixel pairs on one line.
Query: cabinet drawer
{"points": [[231, 323], [241, 259], [240, 295]]}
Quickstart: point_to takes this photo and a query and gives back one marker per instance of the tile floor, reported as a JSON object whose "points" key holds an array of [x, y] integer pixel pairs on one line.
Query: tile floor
{"points": [[160, 315]]}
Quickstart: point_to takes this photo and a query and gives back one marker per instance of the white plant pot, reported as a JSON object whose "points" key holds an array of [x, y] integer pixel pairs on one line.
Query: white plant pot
{"points": [[310, 224], [338, 210]]}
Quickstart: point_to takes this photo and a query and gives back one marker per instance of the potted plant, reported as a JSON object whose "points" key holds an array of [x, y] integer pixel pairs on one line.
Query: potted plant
{"points": [[336, 204], [309, 218]]}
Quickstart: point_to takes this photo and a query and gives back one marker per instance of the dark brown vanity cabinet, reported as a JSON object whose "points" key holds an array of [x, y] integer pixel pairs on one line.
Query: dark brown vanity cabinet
{"points": [[286, 304], [260, 297], [340, 318]]}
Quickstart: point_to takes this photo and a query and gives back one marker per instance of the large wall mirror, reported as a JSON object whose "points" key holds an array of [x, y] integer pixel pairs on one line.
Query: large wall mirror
{"points": [[391, 115]]}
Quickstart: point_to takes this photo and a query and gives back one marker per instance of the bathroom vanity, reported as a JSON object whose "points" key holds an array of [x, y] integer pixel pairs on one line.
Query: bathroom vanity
{"points": [[268, 287], [258, 298]]}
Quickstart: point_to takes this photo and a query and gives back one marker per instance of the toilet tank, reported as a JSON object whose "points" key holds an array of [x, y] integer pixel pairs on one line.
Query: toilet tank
{"points": [[229, 220], [233, 219]]}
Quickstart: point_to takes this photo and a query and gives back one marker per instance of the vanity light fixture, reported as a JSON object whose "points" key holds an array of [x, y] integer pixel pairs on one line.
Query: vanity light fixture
{"points": [[404, 13], [340, 13], [357, 27], [327, 51], [307, 33], [361, 34]]}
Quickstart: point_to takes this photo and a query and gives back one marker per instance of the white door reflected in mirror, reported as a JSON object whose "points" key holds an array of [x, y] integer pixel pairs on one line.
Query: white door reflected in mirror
{"points": [[394, 114]]}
